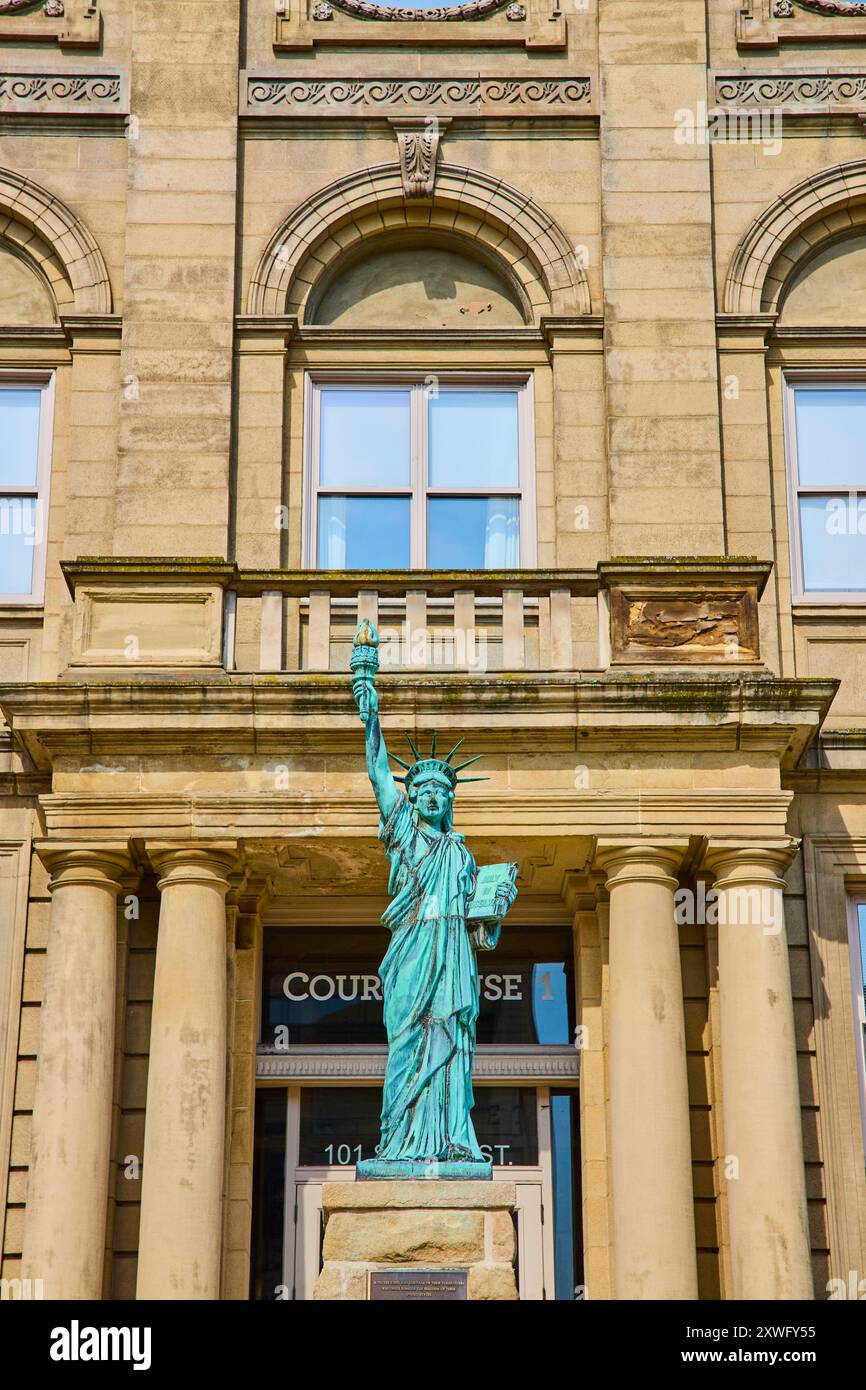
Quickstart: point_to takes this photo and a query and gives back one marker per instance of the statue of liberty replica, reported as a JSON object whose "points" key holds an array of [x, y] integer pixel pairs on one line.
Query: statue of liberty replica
{"points": [[443, 910]]}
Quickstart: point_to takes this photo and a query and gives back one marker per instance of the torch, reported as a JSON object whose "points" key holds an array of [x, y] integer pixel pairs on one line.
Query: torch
{"points": [[364, 664]]}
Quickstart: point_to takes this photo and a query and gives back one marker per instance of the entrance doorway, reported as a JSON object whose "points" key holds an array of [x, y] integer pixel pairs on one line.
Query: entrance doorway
{"points": [[316, 1134], [321, 1059]]}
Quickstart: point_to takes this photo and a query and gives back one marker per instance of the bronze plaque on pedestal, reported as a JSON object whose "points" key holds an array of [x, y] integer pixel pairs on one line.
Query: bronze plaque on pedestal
{"points": [[418, 1285]]}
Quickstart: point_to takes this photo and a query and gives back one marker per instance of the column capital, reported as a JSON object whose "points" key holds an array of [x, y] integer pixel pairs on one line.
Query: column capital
{"points": [[85, 864], [760, 865], [214, 865], [639, 862]]}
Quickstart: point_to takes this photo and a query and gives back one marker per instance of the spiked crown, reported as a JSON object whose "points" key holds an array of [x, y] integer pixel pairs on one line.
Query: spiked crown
{"points": [[425, 767]]}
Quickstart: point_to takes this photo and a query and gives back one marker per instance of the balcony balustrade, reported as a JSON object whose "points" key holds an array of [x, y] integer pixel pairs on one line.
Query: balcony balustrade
{"points": [[473, 621], [210, 615]]}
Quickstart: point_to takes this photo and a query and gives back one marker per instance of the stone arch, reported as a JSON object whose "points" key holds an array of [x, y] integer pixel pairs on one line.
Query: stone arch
{"points": [[822, 207], [512, 229], [58, 243]]}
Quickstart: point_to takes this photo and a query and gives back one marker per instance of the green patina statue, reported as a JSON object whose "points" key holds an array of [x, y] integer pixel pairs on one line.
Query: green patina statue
{"points": [[442, 910]]}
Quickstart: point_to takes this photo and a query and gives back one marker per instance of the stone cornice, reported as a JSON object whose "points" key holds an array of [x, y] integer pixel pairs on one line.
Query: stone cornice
{"points": [[271, 815], [744, 332], [688, 570], [137, 569], [269, 715], [274, 715]]}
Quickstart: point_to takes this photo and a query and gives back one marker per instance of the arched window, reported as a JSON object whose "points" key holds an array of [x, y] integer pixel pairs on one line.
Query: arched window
{"points": [[825, 422], [25, 431]]}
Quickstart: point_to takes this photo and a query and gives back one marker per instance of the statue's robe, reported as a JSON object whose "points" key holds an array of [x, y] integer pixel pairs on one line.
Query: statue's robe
{"points": [[430, 990]]}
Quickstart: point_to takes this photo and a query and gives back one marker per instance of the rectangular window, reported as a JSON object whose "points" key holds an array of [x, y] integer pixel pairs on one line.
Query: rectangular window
{"points": [[419, 474], [826, 437], [25, 454], [340, 1125], [322, 988], [857, 955]]}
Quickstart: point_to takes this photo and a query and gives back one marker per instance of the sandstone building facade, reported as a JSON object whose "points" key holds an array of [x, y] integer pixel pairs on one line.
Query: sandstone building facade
{"points": [[535, 332]]}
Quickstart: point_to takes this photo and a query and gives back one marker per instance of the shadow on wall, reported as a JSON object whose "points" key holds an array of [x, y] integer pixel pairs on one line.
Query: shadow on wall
{"points": [[418, 286]]}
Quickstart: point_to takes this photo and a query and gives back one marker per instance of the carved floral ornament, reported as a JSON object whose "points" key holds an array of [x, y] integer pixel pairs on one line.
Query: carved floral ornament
{"points": [[68, 22], [798, 92], [768, 23], [787, 9], [62, 92], [418, 148], [54, 9], [366, 9], [289, 95]]}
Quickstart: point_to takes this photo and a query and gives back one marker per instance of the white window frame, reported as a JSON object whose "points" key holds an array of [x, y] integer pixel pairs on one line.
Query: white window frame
{"points": [[837, 380], [522, 382], [856, 901], [44, 381]]}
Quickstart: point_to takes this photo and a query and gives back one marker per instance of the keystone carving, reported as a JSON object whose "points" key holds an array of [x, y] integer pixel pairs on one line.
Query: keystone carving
{"points": [[418, 146]]}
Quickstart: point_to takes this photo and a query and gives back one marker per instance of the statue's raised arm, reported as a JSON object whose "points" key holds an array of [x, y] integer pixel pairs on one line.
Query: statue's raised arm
{"points": [[365, 664]]}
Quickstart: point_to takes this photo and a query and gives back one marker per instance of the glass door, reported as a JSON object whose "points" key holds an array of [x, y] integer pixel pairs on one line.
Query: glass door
{"points": [[330, 1127]]}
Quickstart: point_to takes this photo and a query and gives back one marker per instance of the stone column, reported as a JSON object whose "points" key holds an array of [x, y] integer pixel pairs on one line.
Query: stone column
{"points": [[653, 1211], [184, 1136], [770, 1257], [67, 1191]]}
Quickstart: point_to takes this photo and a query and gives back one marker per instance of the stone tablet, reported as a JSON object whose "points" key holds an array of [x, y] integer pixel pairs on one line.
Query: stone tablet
{"points": [[419, 1285]]}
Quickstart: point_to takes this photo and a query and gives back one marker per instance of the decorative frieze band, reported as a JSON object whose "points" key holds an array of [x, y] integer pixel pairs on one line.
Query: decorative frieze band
{"points": [[541, 1065], [63, 93], [806, 92], [488, 96]]}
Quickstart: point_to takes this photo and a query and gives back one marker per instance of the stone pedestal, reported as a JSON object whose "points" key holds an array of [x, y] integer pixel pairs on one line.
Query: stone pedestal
{"points": [[427, 1224]]}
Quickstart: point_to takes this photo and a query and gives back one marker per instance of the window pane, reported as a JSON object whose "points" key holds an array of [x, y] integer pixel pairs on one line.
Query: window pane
{"points": [[473, 439], [321, 986], [506, 1124], [340, 1124], [564, 1147], [365, 439], [364, 533], [17, 539], [269, 1175], [466, 533], [19, 436], [831, 436], [834, 551]]}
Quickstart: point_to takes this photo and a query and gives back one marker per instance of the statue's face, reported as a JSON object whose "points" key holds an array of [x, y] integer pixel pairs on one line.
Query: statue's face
{"points": [[432, 799]]}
